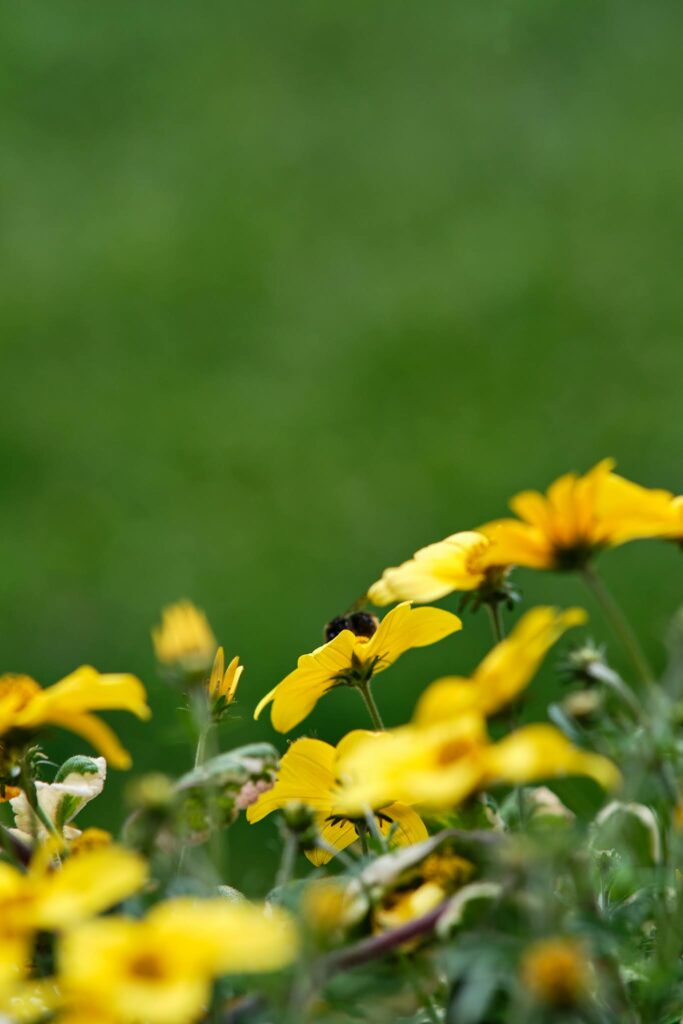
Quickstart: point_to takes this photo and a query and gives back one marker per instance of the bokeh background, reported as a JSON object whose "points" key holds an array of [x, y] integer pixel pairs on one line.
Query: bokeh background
{"points": [[291, 290]]}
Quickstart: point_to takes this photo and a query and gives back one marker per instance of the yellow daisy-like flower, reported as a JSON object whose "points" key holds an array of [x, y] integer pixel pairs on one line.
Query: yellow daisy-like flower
{"points": [[460, 562], [223, 681], [25, 707], [46, 899], [504, 672], [160, 969], [184, 638], [353, 658], [308, 775], [577, 517]]}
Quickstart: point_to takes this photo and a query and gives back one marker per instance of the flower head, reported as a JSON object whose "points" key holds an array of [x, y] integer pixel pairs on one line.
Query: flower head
{"points": [[556, 972], [504, 672], [308, 775], [577, 517], [160, 969], [222, 685], [350, 658], [463, 561], [184, 640], [25, 708]]}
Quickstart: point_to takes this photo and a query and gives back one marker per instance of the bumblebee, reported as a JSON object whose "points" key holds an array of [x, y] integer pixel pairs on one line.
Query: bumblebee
{"points": [[360, 623]]}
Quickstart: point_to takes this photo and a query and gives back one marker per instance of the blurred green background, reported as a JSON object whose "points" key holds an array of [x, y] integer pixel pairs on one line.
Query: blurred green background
{"points": [[291, 290]]}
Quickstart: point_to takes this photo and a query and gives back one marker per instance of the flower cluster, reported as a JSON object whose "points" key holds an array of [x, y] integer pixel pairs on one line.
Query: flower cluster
{"points": [[495, 858]]}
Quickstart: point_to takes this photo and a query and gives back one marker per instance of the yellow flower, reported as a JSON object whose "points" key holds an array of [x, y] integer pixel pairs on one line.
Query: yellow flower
{"points": [[504, 672], [577, 517], [308, 775], [160, 970], [25, 707], [223, 682], [51, 900], [462, 561], [556, 972], [437, 767], [184, 639], [351, 659]]}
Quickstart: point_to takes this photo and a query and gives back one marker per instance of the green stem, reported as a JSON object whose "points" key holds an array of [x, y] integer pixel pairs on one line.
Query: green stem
{"points": [[424, 998], [289, 852], [619, 623], [496, 620], [369, 701]]}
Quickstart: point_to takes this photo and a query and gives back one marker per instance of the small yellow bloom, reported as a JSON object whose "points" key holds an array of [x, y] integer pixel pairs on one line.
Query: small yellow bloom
{"points": [[308, 775], [556, 972], [223, 682], [462, 561], [184, 638], [504, 672], [349, 658], [577, 517], [26, 708], [160, 969]]}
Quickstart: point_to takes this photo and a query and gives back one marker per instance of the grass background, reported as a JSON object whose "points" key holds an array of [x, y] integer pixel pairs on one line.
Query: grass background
{"points": [[290, 290]]}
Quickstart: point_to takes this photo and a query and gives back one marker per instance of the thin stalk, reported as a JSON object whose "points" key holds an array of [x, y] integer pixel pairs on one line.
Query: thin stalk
{"points": [[619, 623], [288, 861], [369, 701], [496, 620]]}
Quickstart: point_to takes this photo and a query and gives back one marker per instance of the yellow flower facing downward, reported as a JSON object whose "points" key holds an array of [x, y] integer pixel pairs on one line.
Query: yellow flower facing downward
{"points": [[463, 561], [184, 639], [351, 659], [160, 970], [577, 517], [25, 707], [504, 672], [308, 775]]}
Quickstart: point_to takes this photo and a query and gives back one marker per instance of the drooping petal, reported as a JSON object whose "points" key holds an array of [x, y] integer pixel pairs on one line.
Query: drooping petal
{"points": [[542, 752], [306, 774]]}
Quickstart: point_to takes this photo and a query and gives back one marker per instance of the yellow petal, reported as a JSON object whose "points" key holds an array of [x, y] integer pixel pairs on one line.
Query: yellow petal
{"points": [[434, 571], [404, 628], [542, 752], [87, 884], [306, 774], [298, 693], [97, 732], [411, 828]]}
